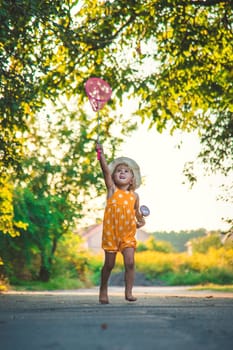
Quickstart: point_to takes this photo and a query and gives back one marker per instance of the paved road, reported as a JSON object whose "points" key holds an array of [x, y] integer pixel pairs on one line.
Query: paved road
{"points": [[161, 319]]}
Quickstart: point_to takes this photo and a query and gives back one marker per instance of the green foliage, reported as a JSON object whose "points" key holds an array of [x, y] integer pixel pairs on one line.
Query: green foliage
{"points": [[217, 141], [203, 244], [51, 48], [28, 42], [159, 246], [45, 216], [4, 285], [72, 266], [178, 240], [50, 194], [56, 283], [8, 224], [154, 245], [214, 287], [217, 151], [189, 278], [141, 247], [77, 268], [72, 260], [213, 266]]}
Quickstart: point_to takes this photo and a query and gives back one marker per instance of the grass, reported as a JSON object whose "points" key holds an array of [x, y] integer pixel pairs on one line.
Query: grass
{"points": [[214, 287], [74, 284], [53, 284]]}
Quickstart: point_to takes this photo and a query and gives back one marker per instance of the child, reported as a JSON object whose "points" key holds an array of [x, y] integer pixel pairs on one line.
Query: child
{"points": [[121, 218]]}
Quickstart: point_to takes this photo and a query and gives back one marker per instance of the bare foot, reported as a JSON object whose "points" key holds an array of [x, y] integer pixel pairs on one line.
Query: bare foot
{"points": [[130, 298], [103, 297], [103, 301]]}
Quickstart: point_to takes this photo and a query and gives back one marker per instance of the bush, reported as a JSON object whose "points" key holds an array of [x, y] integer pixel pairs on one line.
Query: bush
{"points": [[216, 276], [216, 266], [4, 285], [154, 264], [158, 246], [73, 261], [203, 244], [155, 245], [141, 247]]}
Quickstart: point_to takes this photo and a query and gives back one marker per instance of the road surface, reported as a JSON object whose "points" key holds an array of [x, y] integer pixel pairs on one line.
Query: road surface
{"points": [[163, 318]]}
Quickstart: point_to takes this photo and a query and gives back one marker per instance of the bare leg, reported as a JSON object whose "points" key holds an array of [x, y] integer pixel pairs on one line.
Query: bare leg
{"points": [[105, 274], [128, 254]]}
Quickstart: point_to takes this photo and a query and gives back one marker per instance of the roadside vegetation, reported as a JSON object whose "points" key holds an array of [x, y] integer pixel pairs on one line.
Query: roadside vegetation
{"points": [[49, 176], [210, 265]]}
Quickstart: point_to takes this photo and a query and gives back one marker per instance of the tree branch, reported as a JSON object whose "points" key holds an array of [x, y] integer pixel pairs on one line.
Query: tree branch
{"points": [[208, 2]]}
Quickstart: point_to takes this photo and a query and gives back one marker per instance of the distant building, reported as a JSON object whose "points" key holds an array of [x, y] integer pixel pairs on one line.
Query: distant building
{"points": [[92, 237], [189, 247]]}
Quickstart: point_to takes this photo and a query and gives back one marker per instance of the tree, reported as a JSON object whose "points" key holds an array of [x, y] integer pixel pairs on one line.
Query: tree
{"points": [[47, 218], [217, 142], [174, 56], [60, 172], [9, 225], [25, 49], [51, 47]]}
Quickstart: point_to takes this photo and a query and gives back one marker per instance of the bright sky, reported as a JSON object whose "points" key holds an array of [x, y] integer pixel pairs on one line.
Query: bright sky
{"points": [[173, 205]]}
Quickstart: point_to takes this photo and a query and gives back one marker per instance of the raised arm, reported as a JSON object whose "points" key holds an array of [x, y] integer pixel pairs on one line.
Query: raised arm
{"points": [[105, 169]]}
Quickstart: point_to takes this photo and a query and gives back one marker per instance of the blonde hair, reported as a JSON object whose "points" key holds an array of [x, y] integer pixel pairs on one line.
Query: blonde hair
{"points": [[132, 186]]}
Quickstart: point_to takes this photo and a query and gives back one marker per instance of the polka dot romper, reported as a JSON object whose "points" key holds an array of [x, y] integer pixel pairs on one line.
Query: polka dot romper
{"points": [[119, 226]]}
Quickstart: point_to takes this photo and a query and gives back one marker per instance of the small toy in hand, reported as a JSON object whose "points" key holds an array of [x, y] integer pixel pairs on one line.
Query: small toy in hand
{"points": [[145, 211]]}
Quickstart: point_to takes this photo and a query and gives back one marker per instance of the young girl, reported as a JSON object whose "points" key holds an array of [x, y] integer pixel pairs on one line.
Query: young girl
{"points": [[121, 218]]}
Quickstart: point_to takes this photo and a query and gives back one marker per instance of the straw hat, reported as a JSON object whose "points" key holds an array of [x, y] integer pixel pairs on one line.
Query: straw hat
{"points": [[131, 164]]}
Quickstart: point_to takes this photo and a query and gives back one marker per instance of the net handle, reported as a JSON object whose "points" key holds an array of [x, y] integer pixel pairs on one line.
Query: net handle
{"points": [[98, 92]]}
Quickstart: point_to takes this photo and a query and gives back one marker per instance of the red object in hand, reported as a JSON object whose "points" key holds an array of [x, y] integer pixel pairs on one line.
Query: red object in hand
{"points": [[98, 92]]}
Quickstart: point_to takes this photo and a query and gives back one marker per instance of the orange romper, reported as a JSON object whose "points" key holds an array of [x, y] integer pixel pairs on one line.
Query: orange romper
{"points": [[119, 226]]}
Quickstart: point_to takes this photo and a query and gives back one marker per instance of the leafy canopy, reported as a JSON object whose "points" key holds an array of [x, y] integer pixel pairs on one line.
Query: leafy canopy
{"points": [[174, 57]]}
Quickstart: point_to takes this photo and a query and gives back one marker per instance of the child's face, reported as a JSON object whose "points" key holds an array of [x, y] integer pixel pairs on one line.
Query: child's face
{"points": [[123, 175]]}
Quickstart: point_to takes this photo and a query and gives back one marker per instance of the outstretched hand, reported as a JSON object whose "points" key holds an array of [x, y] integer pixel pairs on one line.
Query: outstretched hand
{"points": [[99, 149]]}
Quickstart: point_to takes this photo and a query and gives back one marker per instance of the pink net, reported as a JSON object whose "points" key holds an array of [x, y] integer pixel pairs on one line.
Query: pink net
{"points": [[98, 92]]}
